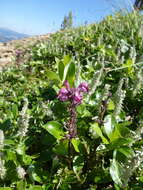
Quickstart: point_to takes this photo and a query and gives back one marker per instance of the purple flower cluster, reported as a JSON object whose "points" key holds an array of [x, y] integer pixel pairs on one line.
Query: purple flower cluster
{"points": [[74, 95]]}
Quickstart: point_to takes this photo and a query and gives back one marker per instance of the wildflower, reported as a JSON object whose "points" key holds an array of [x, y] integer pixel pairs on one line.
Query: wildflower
{"points": [[73, 95]]}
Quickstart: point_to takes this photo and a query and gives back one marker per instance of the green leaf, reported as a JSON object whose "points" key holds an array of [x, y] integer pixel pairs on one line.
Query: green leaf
{"points": [[124, 131], [78, 163], [141, 179], [128, 152], [95, 128], [69, 70], [129, 65], [71, 74], [34, 173], [11, 155], [115, 172], [121, 142], [76, 143], [1, 101], [109, 125], [36, 177], [27, 159], [61, 148], [111, 105], [61, 69], [35, 187], [55, 129], [20, 148], [14, 110], [52, 75], [66, 69], [67, 59], [5, 188], [115, 134], [81, 109], [21, 185], [9, 142]]}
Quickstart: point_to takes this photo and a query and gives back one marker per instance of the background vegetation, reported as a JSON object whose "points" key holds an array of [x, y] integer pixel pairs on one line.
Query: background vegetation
{"points": [[107, 152]]}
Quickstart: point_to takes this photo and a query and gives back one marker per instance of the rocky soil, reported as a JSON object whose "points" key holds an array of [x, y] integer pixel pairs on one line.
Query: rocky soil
{"points": [[8, 50]]}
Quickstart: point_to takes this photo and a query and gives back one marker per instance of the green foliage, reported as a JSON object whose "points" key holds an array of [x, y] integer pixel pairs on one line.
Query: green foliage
{"points": [[55, 129], [107, 151], [66, 69]]}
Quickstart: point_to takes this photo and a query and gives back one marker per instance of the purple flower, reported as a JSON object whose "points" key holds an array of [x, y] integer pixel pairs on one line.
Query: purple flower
{"points": [[72, 94], [77, 97], [63, 94], [83, 87]]}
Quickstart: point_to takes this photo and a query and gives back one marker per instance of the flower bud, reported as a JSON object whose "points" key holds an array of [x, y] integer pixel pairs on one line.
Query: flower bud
{"points": [[66, 84]]}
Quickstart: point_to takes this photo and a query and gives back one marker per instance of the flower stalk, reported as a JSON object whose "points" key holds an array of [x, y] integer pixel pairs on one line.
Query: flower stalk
{"points": [[74, 96], [2, 162], [23, 120], [71, 124]]}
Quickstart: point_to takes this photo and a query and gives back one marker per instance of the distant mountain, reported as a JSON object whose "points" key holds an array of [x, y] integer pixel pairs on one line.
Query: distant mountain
{"points": [[8, 35]]}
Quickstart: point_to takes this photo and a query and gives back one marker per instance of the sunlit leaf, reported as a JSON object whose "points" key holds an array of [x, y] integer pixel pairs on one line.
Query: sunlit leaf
{"points": [[115, 172], [52, 75], [67, 59], [76, 142], [111, 105], [55, 129], [21, 185], [95, 128], [109, 125], [129, 65], [21, 148], [71, 73], [35, 187]]}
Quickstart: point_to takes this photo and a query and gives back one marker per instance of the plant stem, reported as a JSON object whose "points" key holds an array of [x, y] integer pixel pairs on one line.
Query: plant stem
{"points": [[71, 124], [72, 131], [69, 154]]}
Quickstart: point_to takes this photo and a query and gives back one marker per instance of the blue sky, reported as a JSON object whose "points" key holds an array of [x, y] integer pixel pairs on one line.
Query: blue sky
{"points": [[43, 16]]}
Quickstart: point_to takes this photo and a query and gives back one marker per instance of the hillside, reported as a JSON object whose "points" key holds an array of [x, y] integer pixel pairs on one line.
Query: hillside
{"points": [[8, 49], [8, 35], [72, 112]]}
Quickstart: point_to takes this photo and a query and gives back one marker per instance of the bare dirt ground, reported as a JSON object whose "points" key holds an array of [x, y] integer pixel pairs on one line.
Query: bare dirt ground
{"points": [[8, 50]]}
